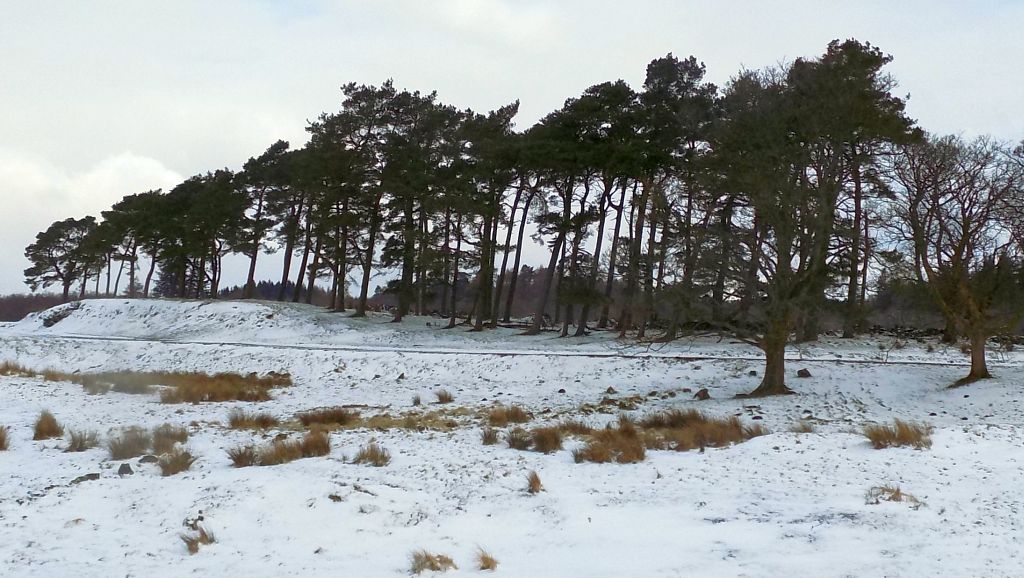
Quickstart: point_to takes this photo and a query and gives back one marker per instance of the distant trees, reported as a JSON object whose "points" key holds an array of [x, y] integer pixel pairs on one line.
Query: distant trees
{"points": [[674, 206]]}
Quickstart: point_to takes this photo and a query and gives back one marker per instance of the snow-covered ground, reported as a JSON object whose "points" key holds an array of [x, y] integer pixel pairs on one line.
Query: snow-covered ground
{"points": [[784, 504]]}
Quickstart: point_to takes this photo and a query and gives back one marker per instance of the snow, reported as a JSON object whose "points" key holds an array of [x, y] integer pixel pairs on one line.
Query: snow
{"points": [[780, 504]]}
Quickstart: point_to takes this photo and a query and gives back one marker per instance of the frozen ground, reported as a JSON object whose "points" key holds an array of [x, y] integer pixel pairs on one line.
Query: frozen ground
{"points": [[784, 504]]}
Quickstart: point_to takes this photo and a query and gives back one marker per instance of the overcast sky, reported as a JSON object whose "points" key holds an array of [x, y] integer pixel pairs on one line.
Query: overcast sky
{"points": [[102, 99]]}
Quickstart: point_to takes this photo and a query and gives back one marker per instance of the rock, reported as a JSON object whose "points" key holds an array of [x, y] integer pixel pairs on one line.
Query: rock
{"points": [[652, 394], [702, 395], [561, 390], [932, 414], [85, 478], [125, 470], [757, 417], [803, 373], [687, 390], [752, 373], [149, 459], [335, 498], [401, 376], [610, 390]]}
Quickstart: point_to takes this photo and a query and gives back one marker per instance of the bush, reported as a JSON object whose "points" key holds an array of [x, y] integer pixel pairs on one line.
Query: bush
{"points": [[336, 416], [533, 485], [176, 461], [518, 439], [130, 442], [166, 436], [444, 396], [546, 439], [47, 427], [501, 416], [423, 561], [372, 454], [5, 438], [79, 441], [241, 419], [901, 433], [243, 456]]}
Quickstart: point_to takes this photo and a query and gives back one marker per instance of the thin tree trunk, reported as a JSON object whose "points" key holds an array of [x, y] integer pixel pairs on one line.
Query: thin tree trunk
{"points": [[549, 277], [612, 259], [149, 277], [519, 253]]}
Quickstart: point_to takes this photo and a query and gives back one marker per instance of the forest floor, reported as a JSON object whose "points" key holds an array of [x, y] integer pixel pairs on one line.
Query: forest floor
{"points": [[781, 504]]}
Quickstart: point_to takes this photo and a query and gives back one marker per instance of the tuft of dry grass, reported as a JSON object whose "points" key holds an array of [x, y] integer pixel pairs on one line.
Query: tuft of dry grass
{"points": [[243, 456], [372, 454], [691, 429], [279, 452], [176, 461], [11, 369], [81, 440], [621, 445], [546, 439], [489, 436], [444, 396], [416, 401], [333, 416], [95, 388], [802, 426], [533, 485], [502, 415], [182, 387], [316, 443], [575, 427], [423, 560], [518, 439], [901, 433], [130, 442], [889, 493], [484, 561], [241, 419], [166, 436], [200, 538], [5, 438], [47, 427]]}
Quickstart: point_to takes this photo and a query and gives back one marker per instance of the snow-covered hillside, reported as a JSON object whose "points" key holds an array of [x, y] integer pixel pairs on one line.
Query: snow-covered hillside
{"points": [[785, 503]]}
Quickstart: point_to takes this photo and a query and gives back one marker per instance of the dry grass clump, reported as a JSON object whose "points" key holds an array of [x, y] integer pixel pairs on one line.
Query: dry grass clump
{"points": [[484, 561], [200, 387], [333, 416], [802, 426], [888, 493], [372, 454], [166, 436], [901, 433], [243, 456], [130, 442], [241, 419], [444, 396], [518, 439], [279, 452], [533, 485], [575, 427], [200, 538], [546, 439], [502, 415], [691, 429], [11, 369], [489, 436], [47, 427], [423, 560], [314, 444], [176, 461], [123, 382], [621, 445], [81, 440], [5, 438]]}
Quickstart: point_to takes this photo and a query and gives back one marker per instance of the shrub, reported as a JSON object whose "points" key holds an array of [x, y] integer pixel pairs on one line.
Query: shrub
{"points": [[372, 454], [243, 456], [622, 445], [338, 416], [423, 561], [47, 427], [444, 396], [130, 442], [901, 433], [166, 436], [316, 443], [518, 439], [5, 438], [501, 416], [489, 436], [891, 494], [82, 440], [546, 439], [533, 485], [200, 538], [176, 461], [241, 419], [484, 561]]}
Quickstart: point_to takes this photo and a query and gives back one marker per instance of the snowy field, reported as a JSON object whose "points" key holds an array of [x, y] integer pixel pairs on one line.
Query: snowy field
{"points": [[783, 504]]}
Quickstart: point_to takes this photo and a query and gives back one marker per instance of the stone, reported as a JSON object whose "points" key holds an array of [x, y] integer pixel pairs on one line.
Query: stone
{"points": [[561, 390], [803, 373], [610, 390], [149, 459], [85, 478], [702, 395], [125, 470]]}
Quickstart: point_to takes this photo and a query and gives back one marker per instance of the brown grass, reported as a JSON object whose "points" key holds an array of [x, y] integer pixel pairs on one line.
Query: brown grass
{"points": [[182, 387], [901, 433], [81, 440], [372, 454], [518, 439], [621, 445], [546, 439], [47, 427], [316, 443], [241, 419], [333, 416], [575, 427], [691, 429], [166, 436], [444, 396], [11, 369], [243, 456], [889, 493], [200, 538], [484, 561], [533, 485], [176, 461], [130, 442], [423, 560], [502, 415], [279, 452], [5, 438], [489, 436]]}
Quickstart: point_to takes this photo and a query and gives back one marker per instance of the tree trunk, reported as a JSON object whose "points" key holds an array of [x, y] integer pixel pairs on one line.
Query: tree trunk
{"points": [[305, 260], [549, 277], [149, 277], [979, 365], [774, 380], [504, 256], [612, 259], [257, 238], [364, 289], [851, 319], [519, 253], [289, 248], [455, 273], [633, 271], [313, 270]]}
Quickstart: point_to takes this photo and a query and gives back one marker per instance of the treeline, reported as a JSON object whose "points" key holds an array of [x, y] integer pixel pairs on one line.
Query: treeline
{"points": [[744, 208]]}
